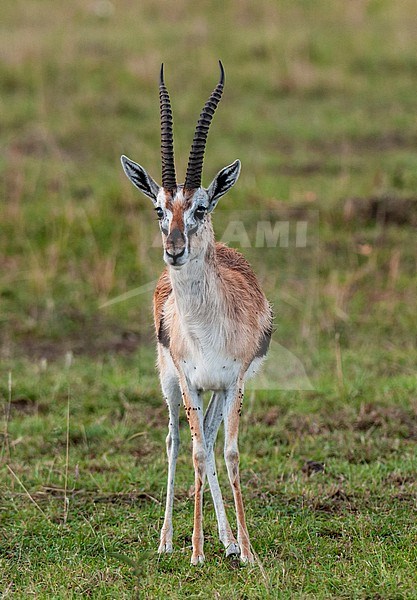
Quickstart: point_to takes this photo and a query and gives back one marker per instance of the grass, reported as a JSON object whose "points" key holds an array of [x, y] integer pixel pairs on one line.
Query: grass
{"points": [[320, 107]]}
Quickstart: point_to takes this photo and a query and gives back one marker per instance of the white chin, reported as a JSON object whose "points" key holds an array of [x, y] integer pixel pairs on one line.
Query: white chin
{"points": [[176, 265]]}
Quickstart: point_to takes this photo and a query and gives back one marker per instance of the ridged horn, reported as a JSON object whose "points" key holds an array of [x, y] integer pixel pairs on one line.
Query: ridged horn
{"points": [[195, 162], [167, 138]]}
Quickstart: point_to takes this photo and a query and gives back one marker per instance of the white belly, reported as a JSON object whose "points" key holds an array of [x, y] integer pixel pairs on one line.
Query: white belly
{"points": [[211, 371]]}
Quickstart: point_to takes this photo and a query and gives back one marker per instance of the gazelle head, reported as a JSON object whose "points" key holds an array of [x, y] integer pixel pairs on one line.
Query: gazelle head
{"points": [[184, 210]]}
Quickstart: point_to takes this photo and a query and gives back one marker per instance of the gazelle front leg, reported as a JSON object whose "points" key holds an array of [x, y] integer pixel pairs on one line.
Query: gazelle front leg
{"points": [[172, 393], [231, 454], [193, 405], [212, 420]]}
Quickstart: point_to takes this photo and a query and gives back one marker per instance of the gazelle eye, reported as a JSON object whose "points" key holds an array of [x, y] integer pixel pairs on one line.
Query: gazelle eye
{"points": [[200, 211], [159, 212]]}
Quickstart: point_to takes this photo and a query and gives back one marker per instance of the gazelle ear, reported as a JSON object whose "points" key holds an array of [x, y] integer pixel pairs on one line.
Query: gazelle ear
{"points": [[224, 180], [140, 178]]}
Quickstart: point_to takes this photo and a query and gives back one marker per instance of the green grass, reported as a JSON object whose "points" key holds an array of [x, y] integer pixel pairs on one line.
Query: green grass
{"points": [[320, 107]]}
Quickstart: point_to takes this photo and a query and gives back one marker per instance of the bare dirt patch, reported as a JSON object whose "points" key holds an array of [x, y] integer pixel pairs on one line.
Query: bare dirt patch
{"points": [[391, 421], [26, 406], [82, 335], [336, 501], [311, 467], [382, 210]]}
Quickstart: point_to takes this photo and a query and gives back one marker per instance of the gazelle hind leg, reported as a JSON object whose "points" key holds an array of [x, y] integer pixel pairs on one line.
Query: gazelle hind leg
{"points": [[172, 393], [212, 421], [231, 454]]}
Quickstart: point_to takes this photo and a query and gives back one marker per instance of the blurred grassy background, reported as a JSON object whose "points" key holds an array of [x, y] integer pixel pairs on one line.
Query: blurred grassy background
{"points": [[320, 106]]}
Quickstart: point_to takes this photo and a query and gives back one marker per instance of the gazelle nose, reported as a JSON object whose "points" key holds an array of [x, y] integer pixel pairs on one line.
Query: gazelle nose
{"points": [[175, 244], [176, 255]]}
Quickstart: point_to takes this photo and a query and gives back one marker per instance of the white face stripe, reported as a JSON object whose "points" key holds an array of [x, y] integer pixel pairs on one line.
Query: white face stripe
{"points": [[180, 209]]}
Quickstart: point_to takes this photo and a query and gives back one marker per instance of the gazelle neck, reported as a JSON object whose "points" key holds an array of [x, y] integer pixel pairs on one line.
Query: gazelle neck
{"points": [[195, 284]]}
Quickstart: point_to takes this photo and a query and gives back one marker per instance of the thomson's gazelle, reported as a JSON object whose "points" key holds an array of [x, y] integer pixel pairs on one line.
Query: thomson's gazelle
{"points": [[212, 321]]}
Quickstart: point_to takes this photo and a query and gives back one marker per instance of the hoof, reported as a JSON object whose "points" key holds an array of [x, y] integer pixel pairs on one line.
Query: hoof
{"points": [[233, 550], [197, 559], [247, 558], [165, 548]]}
